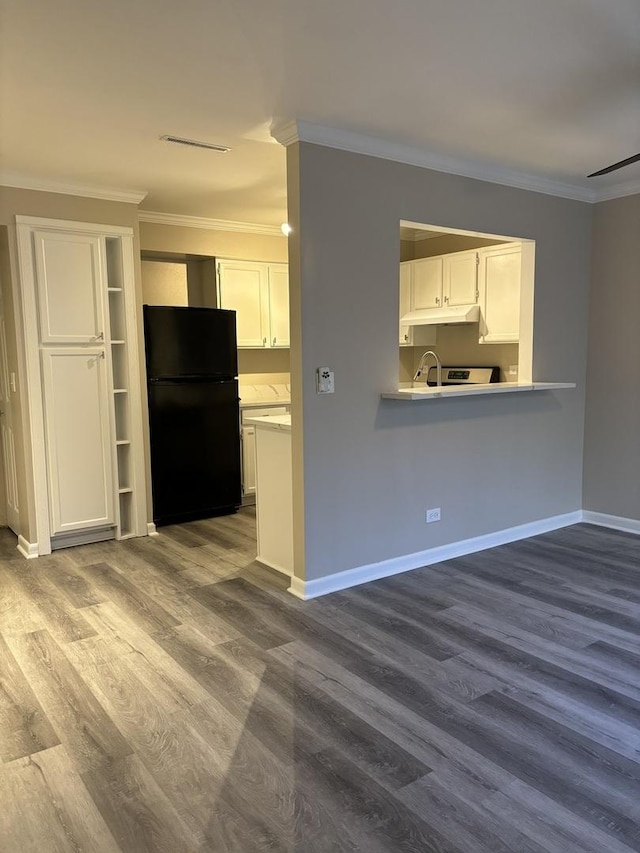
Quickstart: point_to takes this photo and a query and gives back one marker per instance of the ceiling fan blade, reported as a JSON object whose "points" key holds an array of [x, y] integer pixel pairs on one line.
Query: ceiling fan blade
{"points": [[627, 162]]}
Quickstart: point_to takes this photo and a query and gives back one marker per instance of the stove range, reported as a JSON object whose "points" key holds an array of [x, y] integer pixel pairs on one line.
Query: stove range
{"points": [[464, 375]]}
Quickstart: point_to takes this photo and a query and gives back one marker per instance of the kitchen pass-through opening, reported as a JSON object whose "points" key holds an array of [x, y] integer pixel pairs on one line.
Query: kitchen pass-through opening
{"points": [[468, 297]]}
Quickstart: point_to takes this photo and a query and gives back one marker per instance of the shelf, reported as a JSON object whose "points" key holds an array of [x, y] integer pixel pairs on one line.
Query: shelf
{"points": [[117, 342], [423, 393], [120, 391], [126, 491], [114, 289], [122, 442]]}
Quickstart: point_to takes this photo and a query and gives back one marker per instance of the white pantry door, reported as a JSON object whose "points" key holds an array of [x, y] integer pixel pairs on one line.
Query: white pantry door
{"points": [[78, 438], [71, 286]]}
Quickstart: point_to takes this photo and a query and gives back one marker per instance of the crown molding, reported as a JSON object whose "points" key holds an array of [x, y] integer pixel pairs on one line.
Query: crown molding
{"points": [[618, 191], [290, 132], [208, 224], [23, 182]]}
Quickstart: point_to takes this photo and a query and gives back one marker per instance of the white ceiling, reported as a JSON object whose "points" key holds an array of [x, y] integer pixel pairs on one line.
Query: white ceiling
{"points": [[548, 88]]}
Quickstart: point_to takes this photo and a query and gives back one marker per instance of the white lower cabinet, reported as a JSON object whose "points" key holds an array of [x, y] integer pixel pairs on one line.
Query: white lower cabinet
{"points": [[274, 510], [499, 281], [248, 447], [78, 439], [248, 438]]}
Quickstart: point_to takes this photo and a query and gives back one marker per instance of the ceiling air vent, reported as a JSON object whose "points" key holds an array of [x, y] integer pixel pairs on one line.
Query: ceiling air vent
{"points": [[194, 143]]}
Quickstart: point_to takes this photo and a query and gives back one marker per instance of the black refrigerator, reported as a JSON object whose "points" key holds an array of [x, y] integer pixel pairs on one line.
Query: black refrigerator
{"points": [[194, 424]]}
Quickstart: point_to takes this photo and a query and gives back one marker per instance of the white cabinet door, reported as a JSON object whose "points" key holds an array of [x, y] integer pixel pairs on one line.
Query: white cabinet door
{"points": [[248, 460], [427, 283], [244, 288], [70, 277], [499, 285], [405, 301], [279, 305], [460, 278], [78, 438]]}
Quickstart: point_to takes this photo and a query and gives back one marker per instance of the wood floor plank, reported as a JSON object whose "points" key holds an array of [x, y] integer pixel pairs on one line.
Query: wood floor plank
{"points": [[65, 624], [578, 661], [24, 727], [71, 583], [546, 820], [138, 814], [17, 613], [80, 722], [136, 603], [468, 825], [50, 784]]}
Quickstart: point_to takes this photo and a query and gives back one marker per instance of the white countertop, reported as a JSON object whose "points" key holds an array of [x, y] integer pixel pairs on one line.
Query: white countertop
{"points": [[279, 422], [423, 392]]}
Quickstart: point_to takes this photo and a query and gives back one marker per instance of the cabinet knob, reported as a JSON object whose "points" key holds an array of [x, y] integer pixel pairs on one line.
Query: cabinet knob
{"points": [[446, 299], [406, 337], [264, 342], [274, 342], [437, 300]]}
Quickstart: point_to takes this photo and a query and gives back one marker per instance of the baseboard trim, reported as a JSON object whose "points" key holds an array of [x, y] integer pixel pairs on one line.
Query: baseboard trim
{"points": [[152, 530], [615, 522], [29, 550], [375, 571]]}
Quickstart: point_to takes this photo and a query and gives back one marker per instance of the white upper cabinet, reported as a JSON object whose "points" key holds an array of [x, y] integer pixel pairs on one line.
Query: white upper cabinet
{"points": [[279, 305], [412, 336], [406, 277], [259, 294], [499, 277], [244, 288], [445, 280], [70, 270], [78, 438], [427, 283], [460, 278]]}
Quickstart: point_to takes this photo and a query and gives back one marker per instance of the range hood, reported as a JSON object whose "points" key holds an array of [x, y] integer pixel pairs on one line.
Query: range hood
{"points": [[446, 314]]}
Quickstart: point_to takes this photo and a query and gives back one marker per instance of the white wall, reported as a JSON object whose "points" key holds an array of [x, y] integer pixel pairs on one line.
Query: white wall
{"points": [[366, 470]]}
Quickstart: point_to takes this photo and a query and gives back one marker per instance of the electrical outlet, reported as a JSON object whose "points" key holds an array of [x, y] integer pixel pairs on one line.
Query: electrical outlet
{"points": [[433, 515], [325, 381]]}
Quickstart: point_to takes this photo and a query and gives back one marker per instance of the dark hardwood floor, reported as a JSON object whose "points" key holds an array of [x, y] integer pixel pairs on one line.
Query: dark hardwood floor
{"points": [[167, 694]]}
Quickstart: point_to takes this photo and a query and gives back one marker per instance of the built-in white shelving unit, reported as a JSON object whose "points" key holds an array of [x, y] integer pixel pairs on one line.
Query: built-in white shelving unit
{"points": [[82, 376]]}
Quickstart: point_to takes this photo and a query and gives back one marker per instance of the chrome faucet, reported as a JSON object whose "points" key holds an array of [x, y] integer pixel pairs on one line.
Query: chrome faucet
{"points": [[421, 366]]}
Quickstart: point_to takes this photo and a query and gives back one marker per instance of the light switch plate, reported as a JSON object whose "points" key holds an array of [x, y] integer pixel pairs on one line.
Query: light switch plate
{"points": [[325, 382]]}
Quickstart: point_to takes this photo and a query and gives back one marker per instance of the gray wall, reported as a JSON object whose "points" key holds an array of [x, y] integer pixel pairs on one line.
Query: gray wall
{"points": [[366, 470], [612, 423]]}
